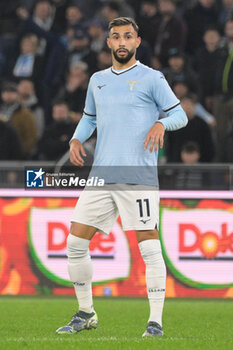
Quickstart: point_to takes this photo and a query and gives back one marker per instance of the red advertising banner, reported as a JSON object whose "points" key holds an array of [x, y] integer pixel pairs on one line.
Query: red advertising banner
{"points": [[196, 231]]}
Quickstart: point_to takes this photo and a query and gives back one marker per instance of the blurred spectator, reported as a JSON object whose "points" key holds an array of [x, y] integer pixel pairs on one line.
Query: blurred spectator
{"points": [[54, 47], [169, 31], [179, 70], [144, 53], [79, 50], [25, 62], [71, 36], [110, 11], [186, 178], [59, 8], [226, 12], [75, 89], [28, 99], [76, 116], [76, 39], [223, 97], [89, 7], [55, 141], [155, 63], [147, 20], [126, 9], [190, 153], [181, 89], [9, 21], [198, 18], [19, 118], [10, 147], [28, 64], [43, 14], [206, 59], [43, 17], [74, 18], [196, 131], [183, 5], [54, 61], [27, 4], [98, 34], [136, 5], [116, 8], [63, 42], [104, 59]]}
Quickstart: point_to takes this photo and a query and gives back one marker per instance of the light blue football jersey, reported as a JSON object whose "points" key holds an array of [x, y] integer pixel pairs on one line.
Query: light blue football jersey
{"points": [[124, 105]]}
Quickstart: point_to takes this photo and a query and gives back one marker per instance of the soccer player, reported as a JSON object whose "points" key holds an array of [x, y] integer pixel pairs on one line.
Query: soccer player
{"points": [[122, 102]]}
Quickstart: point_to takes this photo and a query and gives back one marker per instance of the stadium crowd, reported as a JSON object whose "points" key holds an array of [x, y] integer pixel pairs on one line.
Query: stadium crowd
{"points": [[50, 48]]}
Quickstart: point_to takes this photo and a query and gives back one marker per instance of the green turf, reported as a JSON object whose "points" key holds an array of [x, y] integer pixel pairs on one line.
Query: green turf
{"points": [[30, 323]]}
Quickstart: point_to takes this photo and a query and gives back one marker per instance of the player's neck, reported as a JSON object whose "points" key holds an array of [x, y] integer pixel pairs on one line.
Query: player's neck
{"points": [[117, 65]]}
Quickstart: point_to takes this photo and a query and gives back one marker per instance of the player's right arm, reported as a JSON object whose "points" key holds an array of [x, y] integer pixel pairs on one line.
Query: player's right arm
{"points": [[84, 129]]}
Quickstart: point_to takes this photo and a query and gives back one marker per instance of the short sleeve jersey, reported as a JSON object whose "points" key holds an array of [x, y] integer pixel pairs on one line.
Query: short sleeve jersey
{"points": [[126, 105]]}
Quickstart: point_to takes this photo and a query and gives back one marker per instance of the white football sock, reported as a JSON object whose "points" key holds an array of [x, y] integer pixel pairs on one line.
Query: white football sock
{"points": [[155, 277], [80, 271]]}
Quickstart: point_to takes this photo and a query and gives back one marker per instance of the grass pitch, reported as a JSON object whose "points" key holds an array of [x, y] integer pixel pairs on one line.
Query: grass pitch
{"points": [[30, 323]]}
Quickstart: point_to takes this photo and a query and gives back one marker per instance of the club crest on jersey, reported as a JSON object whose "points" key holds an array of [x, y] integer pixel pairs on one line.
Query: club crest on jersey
{"points": [[132, 83]]}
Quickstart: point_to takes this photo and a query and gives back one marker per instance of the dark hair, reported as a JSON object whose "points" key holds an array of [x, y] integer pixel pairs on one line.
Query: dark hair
{"points": [[123, 21], [190, 147], [10, 86], [212, 28]]}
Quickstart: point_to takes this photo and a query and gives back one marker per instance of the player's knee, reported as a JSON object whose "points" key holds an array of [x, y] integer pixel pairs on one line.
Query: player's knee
{"points": [[150, 250], [148, 234], [82, 231], [77, 248]]}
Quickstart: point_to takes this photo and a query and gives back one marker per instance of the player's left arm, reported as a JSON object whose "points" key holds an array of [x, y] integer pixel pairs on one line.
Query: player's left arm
{"points": [[176, 117]]}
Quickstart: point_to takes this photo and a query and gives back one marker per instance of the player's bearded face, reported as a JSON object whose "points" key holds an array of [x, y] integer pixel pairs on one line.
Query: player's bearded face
{"points": [[123, 42], [123, 55]]}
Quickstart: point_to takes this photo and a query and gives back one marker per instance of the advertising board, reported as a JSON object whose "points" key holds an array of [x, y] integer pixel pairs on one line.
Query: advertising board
{"points": [[196, 231]]}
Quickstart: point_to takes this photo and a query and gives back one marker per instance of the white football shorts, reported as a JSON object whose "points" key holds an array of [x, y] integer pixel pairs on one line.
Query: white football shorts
{"points": [[137, 205]]}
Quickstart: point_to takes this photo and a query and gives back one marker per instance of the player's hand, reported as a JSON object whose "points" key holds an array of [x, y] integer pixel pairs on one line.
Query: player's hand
{"points": [[155, 137], [77, 153]]}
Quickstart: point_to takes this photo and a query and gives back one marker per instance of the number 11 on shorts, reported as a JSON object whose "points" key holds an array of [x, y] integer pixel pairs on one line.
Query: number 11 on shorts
{"points": [[143, 207]]}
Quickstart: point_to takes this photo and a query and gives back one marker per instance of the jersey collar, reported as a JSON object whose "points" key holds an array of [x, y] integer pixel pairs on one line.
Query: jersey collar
{"points": [[121, 71]]}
